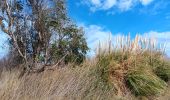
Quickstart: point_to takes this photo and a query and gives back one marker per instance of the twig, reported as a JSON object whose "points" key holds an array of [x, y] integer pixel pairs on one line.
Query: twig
{"points": [[57, 62]]}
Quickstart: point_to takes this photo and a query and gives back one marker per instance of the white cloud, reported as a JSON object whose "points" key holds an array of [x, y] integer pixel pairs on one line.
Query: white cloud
{"points": [[100, 4], [122, 5], [96, 2], [109, 4], [146, 2], [95, 33], [125, 5]]}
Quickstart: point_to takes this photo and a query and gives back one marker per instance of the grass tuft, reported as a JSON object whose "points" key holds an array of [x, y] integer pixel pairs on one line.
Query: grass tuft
{"points": [[144, 83], [163, 71]]}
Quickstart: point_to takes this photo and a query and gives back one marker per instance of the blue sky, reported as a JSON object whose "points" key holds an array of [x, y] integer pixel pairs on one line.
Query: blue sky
{"points": [[100, 18], [135, 16]]}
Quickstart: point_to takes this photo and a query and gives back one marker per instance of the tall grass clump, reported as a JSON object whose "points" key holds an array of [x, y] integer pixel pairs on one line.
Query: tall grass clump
{"points": [[163, 71], [145, 83], [66, 83], [123, 70], [136, 65]]}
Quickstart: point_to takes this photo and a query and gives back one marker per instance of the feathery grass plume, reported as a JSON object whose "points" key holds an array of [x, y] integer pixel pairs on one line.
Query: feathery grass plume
{"points": [[140, 54], [119, 70]]}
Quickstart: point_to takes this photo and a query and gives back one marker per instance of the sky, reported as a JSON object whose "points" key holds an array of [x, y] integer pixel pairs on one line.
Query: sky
{"points": [[99, 18], [102, 18]]}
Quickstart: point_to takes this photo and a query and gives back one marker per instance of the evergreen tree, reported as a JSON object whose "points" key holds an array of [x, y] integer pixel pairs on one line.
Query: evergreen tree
{"points": [[70, 41], [44, 33]]}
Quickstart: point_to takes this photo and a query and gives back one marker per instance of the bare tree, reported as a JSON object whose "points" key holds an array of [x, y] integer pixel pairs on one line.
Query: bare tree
{"points": [[10, 15]]}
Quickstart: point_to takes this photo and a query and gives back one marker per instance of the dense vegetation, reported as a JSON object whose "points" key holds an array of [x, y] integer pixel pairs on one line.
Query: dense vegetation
{"points": [[123, 71], [41, 32], [127, 69]]}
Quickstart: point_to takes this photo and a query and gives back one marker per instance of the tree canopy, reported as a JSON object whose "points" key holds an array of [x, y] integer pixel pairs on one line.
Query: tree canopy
{"points": [[40, 31]]}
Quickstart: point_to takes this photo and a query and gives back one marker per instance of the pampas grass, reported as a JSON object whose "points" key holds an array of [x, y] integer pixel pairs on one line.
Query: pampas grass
{"points": [[163, 71], [135, 64], [122, 69], [143, 83]]}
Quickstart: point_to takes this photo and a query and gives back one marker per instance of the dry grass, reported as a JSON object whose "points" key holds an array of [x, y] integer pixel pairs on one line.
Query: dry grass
{"points": [[100, 78], [62, 84]]}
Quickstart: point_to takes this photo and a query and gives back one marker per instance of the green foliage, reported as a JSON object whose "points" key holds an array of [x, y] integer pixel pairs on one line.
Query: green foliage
{"points": [[70, 42], [77, 47], [120, 56], [159, 65], [145, 83], [103, 68], [46, 34], [101, 71], [74, 47], [144, 74], [163, 71]]}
